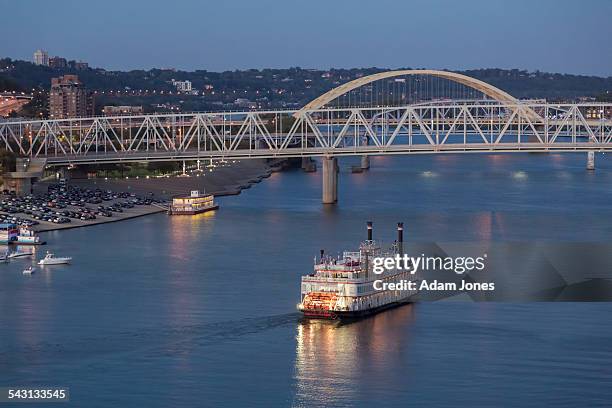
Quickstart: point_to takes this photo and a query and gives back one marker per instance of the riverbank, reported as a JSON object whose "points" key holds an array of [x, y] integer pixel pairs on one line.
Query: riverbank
{"points": [[128, 213], [223, 179]]}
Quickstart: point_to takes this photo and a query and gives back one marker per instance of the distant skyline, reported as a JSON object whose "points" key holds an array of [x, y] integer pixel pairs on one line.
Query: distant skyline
{"points": [[555, 36]]}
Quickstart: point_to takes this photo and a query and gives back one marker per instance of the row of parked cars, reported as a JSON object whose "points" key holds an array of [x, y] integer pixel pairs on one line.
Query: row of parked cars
{"points": [[62, 204], [11, 219], [61, 195]]}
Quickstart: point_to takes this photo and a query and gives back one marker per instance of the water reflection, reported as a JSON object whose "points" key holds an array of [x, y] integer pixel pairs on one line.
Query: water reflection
{"points": [[186, 229], [336, 362]]}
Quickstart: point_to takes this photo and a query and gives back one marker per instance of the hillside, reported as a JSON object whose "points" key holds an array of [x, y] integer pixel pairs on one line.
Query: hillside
{"points": [[269, 88]]}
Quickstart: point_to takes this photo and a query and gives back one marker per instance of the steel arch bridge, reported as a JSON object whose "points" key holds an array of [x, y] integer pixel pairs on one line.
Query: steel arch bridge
{"points": [[498, 124], [487, 89]]}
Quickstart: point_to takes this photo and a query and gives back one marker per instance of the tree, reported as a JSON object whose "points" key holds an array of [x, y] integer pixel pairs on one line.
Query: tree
{"points": [[7, 161]]}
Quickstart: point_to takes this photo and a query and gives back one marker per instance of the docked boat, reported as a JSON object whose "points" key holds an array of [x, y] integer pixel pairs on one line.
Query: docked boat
{"points": [[343, 287], [29, 270], [194, 203], [8, 233], [27, 236], [19, 254], [51, 259]]}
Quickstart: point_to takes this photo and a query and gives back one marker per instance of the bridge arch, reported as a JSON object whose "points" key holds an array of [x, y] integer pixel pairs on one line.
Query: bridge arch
{"points": [[487, 89]]}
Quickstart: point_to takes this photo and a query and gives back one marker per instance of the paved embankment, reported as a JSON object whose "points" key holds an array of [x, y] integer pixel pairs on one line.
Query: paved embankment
{"points": [[221, 180]]}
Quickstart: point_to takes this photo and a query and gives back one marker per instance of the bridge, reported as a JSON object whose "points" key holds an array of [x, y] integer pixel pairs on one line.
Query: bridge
{"points": [[10, 102], [463, 115]]}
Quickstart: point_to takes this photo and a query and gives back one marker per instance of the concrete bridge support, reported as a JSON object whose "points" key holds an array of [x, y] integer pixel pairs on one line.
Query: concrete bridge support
{"points": [[64, 173], [309, 165], [590, 160], [22, 185], [365, 162], [330, 180], [27, 171]]}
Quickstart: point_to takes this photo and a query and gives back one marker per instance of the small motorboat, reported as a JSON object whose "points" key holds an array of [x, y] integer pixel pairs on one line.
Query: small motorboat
{"points": [[20, 254], [29, 270], [51, 259]]}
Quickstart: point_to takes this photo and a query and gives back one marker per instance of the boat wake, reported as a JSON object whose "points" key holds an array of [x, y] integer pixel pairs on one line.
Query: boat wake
{"points": [[168, 341]]}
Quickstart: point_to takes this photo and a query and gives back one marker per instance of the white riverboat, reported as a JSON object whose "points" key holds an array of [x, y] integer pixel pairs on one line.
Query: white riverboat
{"points": [[343, 287], [27, 236], [195, 203], [51, 259]]}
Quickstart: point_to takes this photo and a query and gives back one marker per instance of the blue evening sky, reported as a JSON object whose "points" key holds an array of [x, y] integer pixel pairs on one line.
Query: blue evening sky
{"points": [[560, 36]]}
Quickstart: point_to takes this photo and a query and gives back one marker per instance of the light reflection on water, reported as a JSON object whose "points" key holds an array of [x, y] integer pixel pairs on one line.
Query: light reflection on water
{"points": [[332, 358], [169, 311]]}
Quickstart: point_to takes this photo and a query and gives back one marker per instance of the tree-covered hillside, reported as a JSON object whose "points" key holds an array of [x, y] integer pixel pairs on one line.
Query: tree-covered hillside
{"points": [[268, 88]]}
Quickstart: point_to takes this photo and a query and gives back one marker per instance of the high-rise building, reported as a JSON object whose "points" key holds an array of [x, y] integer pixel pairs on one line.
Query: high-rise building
{"points": [[41, 57], [69, 98], [57, 62]]}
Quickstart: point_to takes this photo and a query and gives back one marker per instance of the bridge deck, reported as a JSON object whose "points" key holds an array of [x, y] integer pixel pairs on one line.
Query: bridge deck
{"points": [[413, 129]]}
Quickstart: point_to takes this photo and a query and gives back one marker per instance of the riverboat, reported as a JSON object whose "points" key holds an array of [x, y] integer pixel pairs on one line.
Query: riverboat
{"points": [[346, 287], [27, 236], [194, 203]]}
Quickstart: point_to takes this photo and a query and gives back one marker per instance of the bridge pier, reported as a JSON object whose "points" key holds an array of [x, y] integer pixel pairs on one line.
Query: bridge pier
{"points": [[27, 171], [590, 160], [63, 173], [330, 180], [22, 186], [365, 162], [308, 165]]}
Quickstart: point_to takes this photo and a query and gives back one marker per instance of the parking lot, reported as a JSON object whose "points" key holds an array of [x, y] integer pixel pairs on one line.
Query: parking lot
{"points": [[67, 206]]}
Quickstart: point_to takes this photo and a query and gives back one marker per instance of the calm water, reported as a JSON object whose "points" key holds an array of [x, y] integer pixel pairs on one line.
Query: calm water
{"points": [[184, 312]]}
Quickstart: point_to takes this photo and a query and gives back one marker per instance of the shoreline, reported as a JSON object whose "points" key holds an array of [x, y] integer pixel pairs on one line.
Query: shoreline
{"points": [[40, 228], [221, 181]]}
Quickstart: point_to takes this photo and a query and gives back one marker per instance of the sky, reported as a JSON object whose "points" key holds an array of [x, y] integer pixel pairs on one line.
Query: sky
{"points": [[548, 35]]}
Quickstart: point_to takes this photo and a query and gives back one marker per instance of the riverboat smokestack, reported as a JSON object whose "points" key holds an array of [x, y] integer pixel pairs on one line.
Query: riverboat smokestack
{"points": [[400, 237], [322, 253], [369, 230]]}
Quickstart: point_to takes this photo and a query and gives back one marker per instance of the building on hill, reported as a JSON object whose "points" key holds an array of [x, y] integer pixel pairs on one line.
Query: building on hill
{"points": [[182, 86], [41, 57], [69, 98], [58, 62], [81, 65]]}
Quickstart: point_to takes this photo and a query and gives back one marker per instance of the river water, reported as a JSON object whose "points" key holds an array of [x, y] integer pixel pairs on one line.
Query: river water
{"points": [[200, 311]]}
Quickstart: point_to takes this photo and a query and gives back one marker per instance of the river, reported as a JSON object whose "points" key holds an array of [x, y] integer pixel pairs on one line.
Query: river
{"points": [[165, 311]]}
